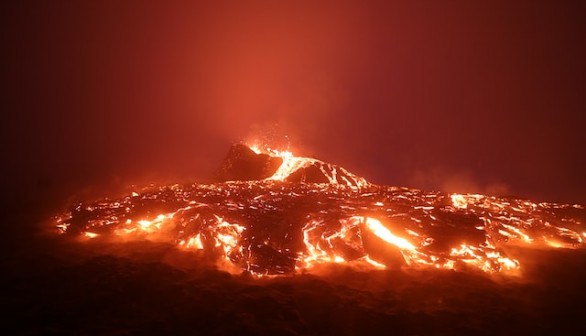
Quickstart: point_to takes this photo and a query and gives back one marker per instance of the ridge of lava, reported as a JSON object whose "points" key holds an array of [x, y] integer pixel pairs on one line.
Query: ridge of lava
{"points": [[270, 213]]}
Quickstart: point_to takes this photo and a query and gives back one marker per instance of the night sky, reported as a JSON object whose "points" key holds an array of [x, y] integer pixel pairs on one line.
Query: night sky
{"points": [[471, 96]]}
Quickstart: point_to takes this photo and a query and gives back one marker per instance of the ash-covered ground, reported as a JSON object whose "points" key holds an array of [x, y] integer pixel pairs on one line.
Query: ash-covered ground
{"points": [[59, 286]]}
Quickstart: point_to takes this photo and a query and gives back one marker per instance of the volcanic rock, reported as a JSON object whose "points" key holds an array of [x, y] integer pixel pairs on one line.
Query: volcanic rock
{"points": [[316, 171], [242, 164]]}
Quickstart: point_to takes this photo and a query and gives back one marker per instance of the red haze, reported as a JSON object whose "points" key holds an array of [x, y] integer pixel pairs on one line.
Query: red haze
{"points": [[481, 96]]}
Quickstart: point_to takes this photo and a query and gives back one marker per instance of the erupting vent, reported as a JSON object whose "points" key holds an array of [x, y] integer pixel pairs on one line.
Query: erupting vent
{"points": [[287, 214]]}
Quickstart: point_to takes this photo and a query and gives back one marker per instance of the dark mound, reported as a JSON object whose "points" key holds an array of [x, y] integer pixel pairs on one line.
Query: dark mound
{"points": [[242, 164]]}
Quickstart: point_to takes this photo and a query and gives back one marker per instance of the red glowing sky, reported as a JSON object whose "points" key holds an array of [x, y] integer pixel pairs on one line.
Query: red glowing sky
{"points": [[483, 96]]}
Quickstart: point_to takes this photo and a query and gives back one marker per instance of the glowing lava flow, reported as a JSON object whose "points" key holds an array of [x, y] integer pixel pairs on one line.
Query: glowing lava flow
{"points": [[292, 164], [274, 226]]}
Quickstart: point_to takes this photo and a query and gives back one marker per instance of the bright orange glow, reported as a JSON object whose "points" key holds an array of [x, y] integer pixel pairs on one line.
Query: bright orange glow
{"points": [[268, 227], [458, 201], [292, 163], [374, 263], [90, 234], [385, 234]]}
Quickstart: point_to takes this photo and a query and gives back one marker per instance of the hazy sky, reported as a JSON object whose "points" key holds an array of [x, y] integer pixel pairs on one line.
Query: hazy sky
{"points": [[485, 96]]}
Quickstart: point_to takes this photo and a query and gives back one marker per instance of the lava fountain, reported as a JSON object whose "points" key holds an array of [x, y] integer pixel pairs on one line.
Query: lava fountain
{"points": [[273, 213]]}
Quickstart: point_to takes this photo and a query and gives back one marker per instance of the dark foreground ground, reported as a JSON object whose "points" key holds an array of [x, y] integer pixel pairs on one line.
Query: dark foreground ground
{"points": [[57, 286]]}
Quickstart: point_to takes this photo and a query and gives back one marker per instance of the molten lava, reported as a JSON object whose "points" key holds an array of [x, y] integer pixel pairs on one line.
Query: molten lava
{"points": [[292, 213]]}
